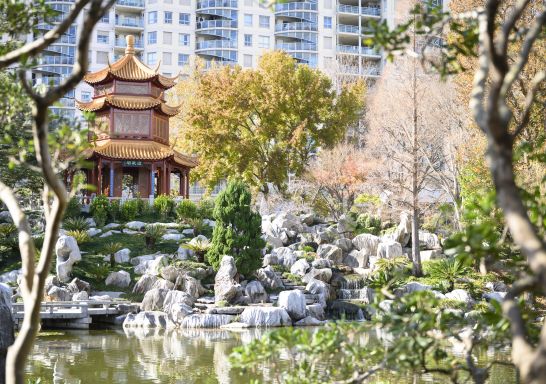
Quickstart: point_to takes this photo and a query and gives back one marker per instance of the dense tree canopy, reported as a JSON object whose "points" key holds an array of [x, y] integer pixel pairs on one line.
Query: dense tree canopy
{"points": [[261, 124]]}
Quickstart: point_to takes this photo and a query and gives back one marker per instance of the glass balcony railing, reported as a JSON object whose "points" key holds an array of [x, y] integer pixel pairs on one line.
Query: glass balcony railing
{"points": [[216, 4], [56, 60], [121, 42], [301, 26], [131, 3], [354, 49], [368, 11], [344, 28], [213, 44], [131, 23], [296, 46], [296, 6], [216, 24]]}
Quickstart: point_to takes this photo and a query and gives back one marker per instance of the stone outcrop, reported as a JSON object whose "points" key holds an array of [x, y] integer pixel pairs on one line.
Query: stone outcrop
{"points": [[145, 283], [269, 278], [225, 287], [68, 253], [147, 319], [330, 252], [190, 285], [389, 249], [294, 303], [120, 279], [265, 317], [300, 267], [153, 300], [256, 292]]}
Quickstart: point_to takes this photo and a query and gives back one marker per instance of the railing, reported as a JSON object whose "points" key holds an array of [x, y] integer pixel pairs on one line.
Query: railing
{"points": [[301, 26], [56, 60], [296, 6], [131, 3], [371, 11], [210, 44], [123, 43], [296, 46], [357, 50], [47, 310], [347, 28], [354, 70], [216, 4], [133, 23], [208, 24]]}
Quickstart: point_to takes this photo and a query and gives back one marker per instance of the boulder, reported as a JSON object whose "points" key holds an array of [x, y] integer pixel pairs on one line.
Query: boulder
{"points": [[287, 221], [7, 326], [308, 321], [172, 237], [330, 252], [120, 257], [498, 296], [111, 226], [366, 242], [174, 298], [59, 294], [135, 225], [77, 285], [120, 279], [265, 317], [357, 259], [110, 233], [319, 288], [429, 240], [190, 285], [316, 311], [204, 320], [140, 259], [145, 283], [80, 296], [389, 249], [300, 267], [275, 242], [68, 253], [91, 222], [432, 254], [171, 273], [163, 284], [130, 231], [414, 286], [460, 295], [322, 274], [225, 287], [308, 219], [177, 313], [256, 292], [5, 217], [184, 253], [93, 232], [496, 286], [345, 244], [11, 276], [346, 224], [402, 234], [322, 263], [147, 319], [293, 302], [269, 278], [155, 266], [270, 260], [283, 253], [153, 299]]}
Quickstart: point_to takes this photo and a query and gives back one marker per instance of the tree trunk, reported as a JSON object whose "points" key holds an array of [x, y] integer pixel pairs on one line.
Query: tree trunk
{"points": [[6, 329], [416, 255]]}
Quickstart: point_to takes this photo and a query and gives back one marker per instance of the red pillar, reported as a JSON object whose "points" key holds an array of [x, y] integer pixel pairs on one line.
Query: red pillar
{"points": [[187, 182]]}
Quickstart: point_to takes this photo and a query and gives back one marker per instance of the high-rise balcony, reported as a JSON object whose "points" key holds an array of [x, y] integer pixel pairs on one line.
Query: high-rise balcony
{"points": [[208, 24], [204, 4], [122, 43], [356, 50], [301, 26], [296, 6], [355, 10], [354, 29], [130, 4], [215, 44], [129, 23], [296, 46]]}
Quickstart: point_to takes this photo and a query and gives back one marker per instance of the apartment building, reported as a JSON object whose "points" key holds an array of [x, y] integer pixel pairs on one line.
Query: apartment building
{"points": [[325, 34]]}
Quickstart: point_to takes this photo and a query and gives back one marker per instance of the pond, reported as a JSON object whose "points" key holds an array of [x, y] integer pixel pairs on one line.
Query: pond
{"points": [[185, 356]]}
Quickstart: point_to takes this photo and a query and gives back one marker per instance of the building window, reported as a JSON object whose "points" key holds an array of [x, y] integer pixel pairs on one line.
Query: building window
{"points": [[152, 37], [327, 42], [327, 22], [247, 61], [167, 38], [168, 17], [102, 37], [184, 39], [264, 21], [167, 58], [86, 96], [102, 57], [106, 18], [248, 20], [183, 59], [248, 40], [151, 58], [184, 18], [263, 42], [152, 17]]}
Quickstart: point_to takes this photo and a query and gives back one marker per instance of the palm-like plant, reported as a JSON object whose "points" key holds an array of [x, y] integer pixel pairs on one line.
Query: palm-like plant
{"points": [[81, 236], [392, 265], [110, 249], [153, 232], [199, 246], [75, 224], [449, 270]]}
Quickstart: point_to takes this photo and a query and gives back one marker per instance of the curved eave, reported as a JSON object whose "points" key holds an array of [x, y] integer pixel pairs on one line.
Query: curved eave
{"points": [[128, 103]]}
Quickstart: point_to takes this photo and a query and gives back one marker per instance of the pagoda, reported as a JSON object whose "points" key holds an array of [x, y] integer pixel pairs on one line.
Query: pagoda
{"points": [[130, 134]]}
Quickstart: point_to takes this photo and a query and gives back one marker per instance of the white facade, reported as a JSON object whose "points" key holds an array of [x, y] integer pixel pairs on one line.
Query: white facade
{"points": [[325, 34]]}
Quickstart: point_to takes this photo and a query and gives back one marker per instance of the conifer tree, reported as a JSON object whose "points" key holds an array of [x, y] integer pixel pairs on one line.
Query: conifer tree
{"points": [[238, 229]]}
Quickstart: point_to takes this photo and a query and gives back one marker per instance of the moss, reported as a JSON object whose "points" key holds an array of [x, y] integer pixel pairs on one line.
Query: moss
{"points": [[293, 278]]}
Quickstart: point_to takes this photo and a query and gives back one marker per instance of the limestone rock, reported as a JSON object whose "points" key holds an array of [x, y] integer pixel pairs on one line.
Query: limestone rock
{"points": [[265, 317], [460, 295], [77, 285], [270, 260], [269, 278], [256, 292], [497, 286], [357, 259], [346, 224], [156, 265], [225, 287], [322, 263], [402, 233], [146, 319], [366, 242], [120, 257], [80, 296], [163, 284], [177, 313], [319, 288], [112, 226], [293, 302], [316, 311], [389, 249], [330, 252], [498, 296], [6, 326], [204, 320], [59, 294], [91, 222], [322, 274], [429, 240], [172, 237], [140, 259], [11, 276], [68, 253], [145, 283], [135, 225], [190, 285], [171, 273], [5, 217], [93, 232], [110, 233], [432, 254], [300, 267], [153, 299], [345, 244], [308, 321], [173, 298], [287, 221], [120, 279]]}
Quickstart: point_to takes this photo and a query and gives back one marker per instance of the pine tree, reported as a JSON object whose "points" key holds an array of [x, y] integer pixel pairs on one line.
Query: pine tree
{"points": [[238, 229]]}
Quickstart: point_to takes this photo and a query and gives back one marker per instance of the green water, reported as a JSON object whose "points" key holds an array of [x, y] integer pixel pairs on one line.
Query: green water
{"points": [[186, 356]]}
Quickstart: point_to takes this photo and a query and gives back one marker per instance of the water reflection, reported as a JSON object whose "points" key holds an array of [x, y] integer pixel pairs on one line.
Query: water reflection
{"points": [[152, 356]]}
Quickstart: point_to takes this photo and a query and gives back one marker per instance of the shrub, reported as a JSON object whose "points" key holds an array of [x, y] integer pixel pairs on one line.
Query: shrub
{"points": [[152, 233], [73, 209], [199, 227], [81, 236], [199, 246], [368, 224], [448, 270], [205, 208], [9, 236], [238, 229], [392, 265], [114, 210], [75, 224], [99, 209], [307, 248], [164, 206], [186, 209], [97, 271], [129, 210], [111, 248]]}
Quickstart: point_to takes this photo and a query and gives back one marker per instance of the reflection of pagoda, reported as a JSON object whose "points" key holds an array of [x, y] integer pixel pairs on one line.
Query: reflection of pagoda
{"points": [[130, 133]]}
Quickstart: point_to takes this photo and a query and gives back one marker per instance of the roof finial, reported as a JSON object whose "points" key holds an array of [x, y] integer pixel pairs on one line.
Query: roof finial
{"points": [[130, 50]]}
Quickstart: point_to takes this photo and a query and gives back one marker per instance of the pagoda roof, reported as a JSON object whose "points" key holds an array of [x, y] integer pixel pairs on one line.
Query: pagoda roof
{"points": [[127, 102], [130, 68], [140, 150]]}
